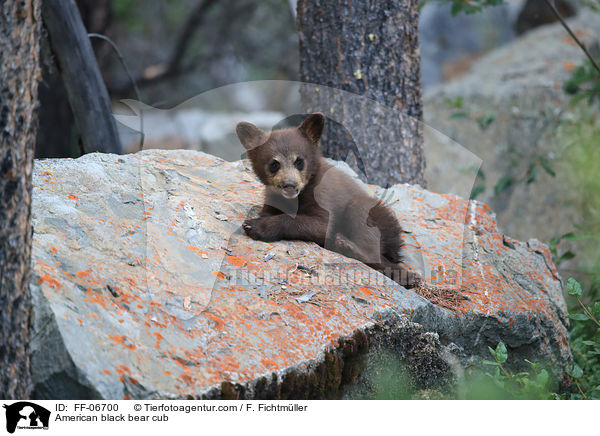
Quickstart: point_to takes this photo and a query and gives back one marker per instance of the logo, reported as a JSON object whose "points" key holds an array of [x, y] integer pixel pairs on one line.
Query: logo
{"points": [[26, 415]]}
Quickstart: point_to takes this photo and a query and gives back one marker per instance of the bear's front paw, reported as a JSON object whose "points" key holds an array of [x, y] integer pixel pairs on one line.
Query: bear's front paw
{"points": [[261, 229]]}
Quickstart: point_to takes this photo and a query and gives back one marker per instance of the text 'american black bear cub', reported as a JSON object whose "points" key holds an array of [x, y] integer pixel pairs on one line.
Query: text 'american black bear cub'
{"points": [[308, 199]]}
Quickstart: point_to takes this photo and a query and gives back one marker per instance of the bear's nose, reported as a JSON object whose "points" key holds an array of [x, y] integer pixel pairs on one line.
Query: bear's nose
{"points": [[288, 184]]}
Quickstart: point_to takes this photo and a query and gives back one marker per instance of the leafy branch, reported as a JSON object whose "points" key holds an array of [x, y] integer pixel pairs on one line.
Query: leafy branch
{"points": [[526, 384], [574, 289], [577, 40], [466, 6]]}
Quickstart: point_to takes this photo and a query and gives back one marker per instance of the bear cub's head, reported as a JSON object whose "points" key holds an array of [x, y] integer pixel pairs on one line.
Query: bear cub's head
{"points": [[284, 160]]}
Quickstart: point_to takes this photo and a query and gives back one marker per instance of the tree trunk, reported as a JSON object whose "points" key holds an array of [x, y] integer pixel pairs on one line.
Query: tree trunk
{"points": [[83, 82], [57, 134], [19, 77], [369, 48]]}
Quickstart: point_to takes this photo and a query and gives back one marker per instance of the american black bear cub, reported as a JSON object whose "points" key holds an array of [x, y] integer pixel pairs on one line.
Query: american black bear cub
{"points": [[308, 199]]}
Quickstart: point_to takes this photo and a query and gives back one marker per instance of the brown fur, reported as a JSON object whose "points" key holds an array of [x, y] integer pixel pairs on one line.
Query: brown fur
{"points": [[317, 202]]}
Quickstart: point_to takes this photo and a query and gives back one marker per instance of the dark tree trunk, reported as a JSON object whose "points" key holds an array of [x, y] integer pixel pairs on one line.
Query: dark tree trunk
{"points": [[78, 68], [57, 133], [19, 77], [97, 16], [369, 48]]}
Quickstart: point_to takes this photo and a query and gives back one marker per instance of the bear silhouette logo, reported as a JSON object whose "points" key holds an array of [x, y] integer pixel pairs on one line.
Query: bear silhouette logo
{"points": [[24, 414]]}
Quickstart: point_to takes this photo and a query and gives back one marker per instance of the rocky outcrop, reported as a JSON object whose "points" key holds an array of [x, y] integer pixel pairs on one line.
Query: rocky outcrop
{"points": [[144, 287], [450, 43], [509, 111]]}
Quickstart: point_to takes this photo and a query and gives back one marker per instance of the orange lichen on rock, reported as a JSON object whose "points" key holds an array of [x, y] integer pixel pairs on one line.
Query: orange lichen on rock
{"points": [[179, 302], [50, 280]]}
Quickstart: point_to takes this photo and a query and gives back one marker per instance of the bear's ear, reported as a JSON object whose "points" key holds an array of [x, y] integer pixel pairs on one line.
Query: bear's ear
{"points": [[312, 127], [250, 136]]}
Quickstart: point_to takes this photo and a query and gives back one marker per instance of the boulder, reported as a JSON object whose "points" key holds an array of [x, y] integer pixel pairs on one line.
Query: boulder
{"points": [[145, 287], [449, 43], [512, 108]]}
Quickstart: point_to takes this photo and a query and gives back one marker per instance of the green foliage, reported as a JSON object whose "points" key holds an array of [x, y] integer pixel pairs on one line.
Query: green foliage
{"points": [[483, 121], [536, 383], [125, 12], [503, 184], [477, 189], [592, 4], [384, 378], [585, 344], [580, 141], [259, 37], [502, 383], [466, 6], [457, 102], [579, 134], [520, 173], [522, 167], [584, 83], [574, 288], [580, 138], [392, 381], [545, 163], [129, 14], [479, 184], [532, 172]]}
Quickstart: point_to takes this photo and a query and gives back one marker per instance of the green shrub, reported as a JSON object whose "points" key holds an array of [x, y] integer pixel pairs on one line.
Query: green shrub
{"points": [[536, 384]]}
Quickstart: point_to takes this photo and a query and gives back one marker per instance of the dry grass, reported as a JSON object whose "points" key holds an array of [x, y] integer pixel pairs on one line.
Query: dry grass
{"points": [[447, 298]]}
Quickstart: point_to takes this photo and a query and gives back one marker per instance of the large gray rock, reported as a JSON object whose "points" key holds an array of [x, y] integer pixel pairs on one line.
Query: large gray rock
{"points": [[449, 43], [520, 87], [144, 287]]}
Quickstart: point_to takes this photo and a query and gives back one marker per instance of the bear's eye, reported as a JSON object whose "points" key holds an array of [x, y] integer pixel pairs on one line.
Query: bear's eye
{"points": [[274, 166], [299, 164]]}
